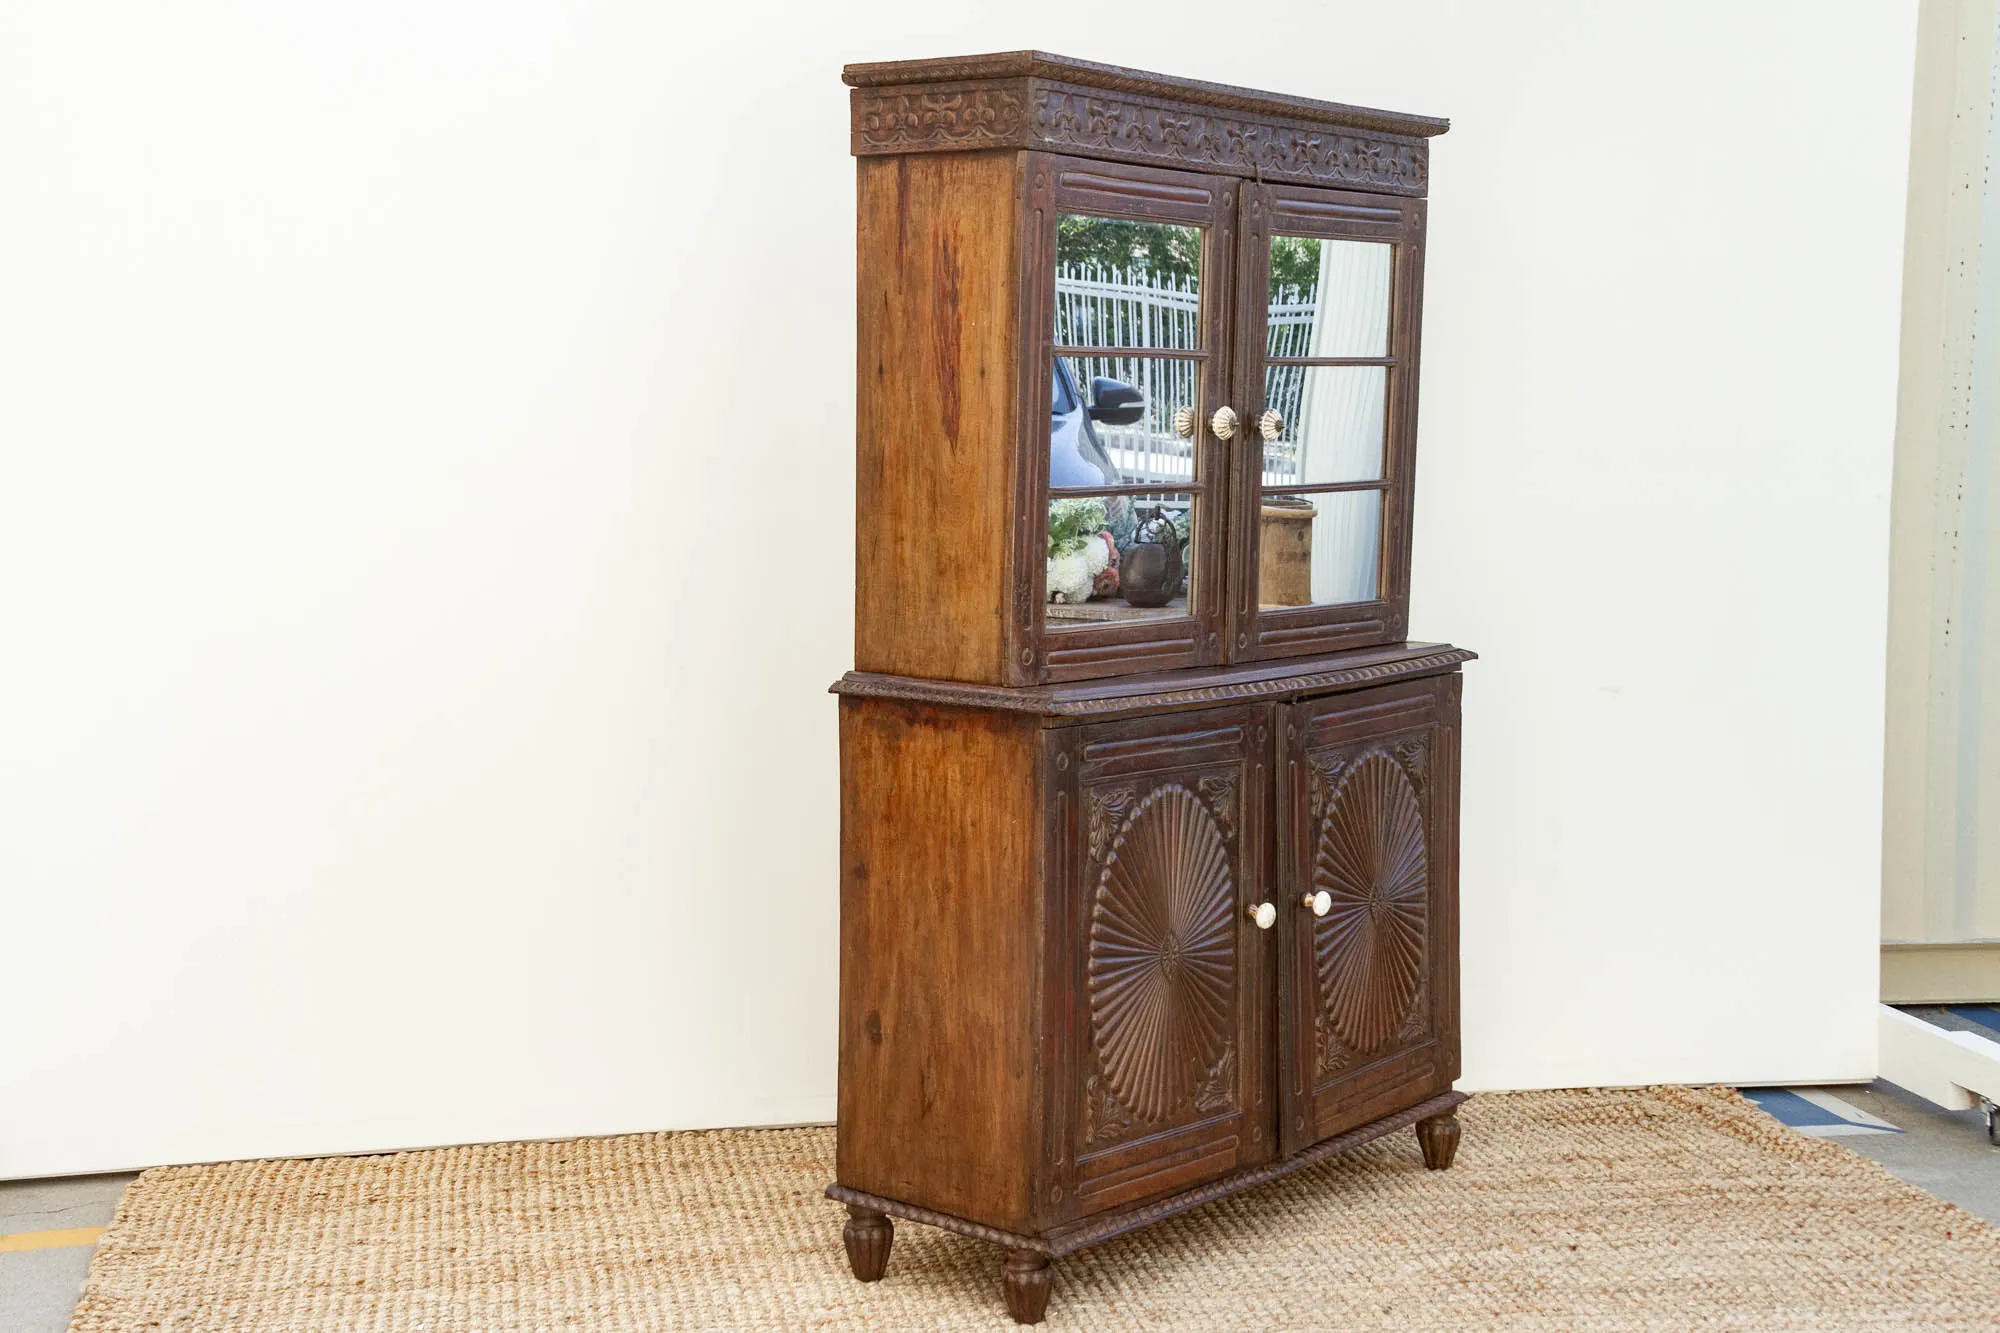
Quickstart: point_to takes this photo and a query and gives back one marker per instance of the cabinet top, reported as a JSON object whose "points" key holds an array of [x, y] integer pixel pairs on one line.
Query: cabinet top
{"points": [[1032, 99], [1118, 79]]}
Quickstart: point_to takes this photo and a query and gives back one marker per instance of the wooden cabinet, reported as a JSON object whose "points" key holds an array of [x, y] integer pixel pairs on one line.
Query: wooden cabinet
{"points": [[1148, 807]]}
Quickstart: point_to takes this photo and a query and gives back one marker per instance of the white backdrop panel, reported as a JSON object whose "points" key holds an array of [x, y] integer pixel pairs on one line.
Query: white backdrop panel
{"points": [[425, 476]]}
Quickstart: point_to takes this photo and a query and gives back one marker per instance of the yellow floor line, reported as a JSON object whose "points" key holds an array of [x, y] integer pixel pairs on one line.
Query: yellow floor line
{"points": [[49, 1240]]}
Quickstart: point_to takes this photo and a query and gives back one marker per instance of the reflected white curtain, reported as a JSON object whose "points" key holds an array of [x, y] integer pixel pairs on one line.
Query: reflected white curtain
{"points": [[1341, 416]]}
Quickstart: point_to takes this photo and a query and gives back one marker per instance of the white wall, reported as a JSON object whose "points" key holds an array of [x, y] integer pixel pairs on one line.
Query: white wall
{"points": [[1940, 877], [411, 725]]}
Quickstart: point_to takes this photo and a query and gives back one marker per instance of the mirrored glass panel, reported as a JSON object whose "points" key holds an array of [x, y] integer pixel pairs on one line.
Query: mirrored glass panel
{"points": [[1329, 297], [1127, 284], [1120, 420], [1329, 423], [1120, 557], [1319, 549]]}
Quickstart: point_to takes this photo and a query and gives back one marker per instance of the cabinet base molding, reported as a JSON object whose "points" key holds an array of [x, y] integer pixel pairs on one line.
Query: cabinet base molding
{"points": [[1027, 1282]]}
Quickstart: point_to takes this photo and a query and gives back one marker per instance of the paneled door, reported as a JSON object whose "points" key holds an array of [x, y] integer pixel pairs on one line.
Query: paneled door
{"points": [[1367, 845], [1329, 297], [1130, 298], [1166, 977]]}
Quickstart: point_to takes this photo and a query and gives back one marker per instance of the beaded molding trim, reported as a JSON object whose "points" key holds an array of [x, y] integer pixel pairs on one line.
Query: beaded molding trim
{"points": [[1093, 1231]]}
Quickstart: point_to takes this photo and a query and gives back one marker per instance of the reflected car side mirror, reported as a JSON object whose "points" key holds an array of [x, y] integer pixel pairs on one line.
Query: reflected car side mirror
{"points": [[1115, 403]]}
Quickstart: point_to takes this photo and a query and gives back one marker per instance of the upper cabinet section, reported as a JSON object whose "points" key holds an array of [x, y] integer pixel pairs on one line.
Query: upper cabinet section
{"points": [[1033, 100], [1225, 348]]}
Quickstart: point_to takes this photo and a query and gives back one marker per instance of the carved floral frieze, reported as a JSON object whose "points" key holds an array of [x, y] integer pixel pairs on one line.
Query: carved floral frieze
{"points": [[960, 118], [1039, 114]]}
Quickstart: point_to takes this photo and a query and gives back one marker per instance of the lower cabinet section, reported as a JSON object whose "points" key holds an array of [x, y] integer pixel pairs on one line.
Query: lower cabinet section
{"points": [[1260, 941], [1241, 957]]}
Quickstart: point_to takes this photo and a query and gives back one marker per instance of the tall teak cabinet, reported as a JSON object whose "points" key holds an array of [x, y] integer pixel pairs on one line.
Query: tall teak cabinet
{"points": [[1149, 810]]}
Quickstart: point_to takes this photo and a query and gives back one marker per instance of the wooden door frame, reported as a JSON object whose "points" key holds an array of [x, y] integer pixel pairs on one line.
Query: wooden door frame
{"points": [[1254, 634], [1052, 185]]}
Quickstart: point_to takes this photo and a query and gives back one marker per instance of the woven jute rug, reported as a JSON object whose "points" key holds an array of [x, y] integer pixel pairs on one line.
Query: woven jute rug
{"points": [[1651, 1208]]}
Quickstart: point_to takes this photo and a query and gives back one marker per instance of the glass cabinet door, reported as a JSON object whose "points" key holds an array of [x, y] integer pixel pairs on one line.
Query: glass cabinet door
{"points": [[1135, 283], [1327, 362]]}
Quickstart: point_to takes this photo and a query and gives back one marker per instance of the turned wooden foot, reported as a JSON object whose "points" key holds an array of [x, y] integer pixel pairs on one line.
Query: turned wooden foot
{"points": [[867, 1235], [1027, 1284], [1438, 1137]]}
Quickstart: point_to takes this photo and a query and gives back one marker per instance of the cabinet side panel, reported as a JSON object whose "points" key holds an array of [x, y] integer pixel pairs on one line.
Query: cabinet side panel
{"points": [[940, 923], [934, 414]]}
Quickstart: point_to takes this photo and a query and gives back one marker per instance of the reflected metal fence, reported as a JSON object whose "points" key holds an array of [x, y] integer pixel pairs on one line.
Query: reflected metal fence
{"points": [[1137, 311]]}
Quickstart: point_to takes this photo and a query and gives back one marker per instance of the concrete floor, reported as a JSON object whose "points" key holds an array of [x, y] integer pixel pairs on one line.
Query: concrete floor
{"points": [[1944, 1152], [39, 1287]]}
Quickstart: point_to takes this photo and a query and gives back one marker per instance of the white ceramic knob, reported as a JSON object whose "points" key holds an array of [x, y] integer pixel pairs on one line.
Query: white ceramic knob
{"points": [[1184, 422], [1263, 914], [1321, 902], [1271, 425], [1223, 423]]}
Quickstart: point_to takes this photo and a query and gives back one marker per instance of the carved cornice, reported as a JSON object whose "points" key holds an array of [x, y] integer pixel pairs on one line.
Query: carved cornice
{"points": [[1041, 65], [1092, 123], [1096, 120]]}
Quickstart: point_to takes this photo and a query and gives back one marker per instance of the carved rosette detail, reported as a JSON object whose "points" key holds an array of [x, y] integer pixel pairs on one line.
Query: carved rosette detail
{"points": [[1372, 860], [962, 118], [1161, 967]]}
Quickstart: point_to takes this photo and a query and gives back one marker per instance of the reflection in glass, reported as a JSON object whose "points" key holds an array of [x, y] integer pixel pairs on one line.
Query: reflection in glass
{"points": [[1111, 421], [1332, 421], [1319, 549], [1329, 297], [1127, 284], [1119, 557]]}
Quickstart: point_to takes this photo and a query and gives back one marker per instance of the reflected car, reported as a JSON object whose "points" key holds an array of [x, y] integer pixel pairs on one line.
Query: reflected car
{"points": [[1077, 457]]}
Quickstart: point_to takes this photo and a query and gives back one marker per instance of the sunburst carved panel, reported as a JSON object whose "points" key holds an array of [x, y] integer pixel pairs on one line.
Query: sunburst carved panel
{"points": [[1161, 967], [1371, 859]]}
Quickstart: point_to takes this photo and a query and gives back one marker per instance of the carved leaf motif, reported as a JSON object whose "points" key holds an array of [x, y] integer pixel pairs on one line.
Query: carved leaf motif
{"points": [[1220, 794], [1333, 1057], [1161, 966], [1373, 862], [1218, 1091], [1107, 813], [1415, 757], [1417, 1026], [1104, 1120]]}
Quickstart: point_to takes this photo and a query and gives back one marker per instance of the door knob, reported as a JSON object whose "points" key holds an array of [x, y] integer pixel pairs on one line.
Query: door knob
{"points": [[1271, 425], [1263, 914], [1223, 423], [1321, 902], [1184, 422]]}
